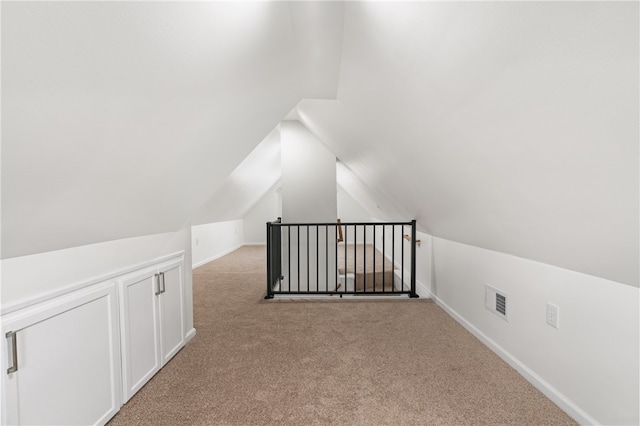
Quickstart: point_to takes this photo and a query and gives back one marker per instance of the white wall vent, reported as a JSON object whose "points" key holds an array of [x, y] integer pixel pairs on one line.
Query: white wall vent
{"points": [[497, 302]]}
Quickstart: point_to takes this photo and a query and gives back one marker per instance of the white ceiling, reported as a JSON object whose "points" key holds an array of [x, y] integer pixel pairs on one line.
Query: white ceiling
{"points": [[318, 36], [509, 126], [506, 125], [121, 118]]}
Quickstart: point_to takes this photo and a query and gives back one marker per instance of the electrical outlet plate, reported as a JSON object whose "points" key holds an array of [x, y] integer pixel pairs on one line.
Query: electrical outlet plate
{"points": [[553, 315]]}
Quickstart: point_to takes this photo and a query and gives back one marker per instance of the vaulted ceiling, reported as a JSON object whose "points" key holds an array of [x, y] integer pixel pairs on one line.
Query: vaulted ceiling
{"points": [[506, 125]]}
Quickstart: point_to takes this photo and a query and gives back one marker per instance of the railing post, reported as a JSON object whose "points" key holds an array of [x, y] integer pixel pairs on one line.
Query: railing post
{"points": [[276, 255], [269, 266], [413, 293]]}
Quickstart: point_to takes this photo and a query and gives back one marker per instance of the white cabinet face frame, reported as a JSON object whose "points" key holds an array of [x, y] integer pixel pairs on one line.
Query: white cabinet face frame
{"points": [[68, 353]]}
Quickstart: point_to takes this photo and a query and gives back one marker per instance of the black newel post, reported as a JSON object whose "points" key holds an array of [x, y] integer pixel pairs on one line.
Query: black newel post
{"points": [[269, 268], [413, 260]]}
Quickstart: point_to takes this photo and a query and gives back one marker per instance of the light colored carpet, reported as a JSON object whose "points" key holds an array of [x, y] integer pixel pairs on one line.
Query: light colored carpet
{"points": [[374, 362]]}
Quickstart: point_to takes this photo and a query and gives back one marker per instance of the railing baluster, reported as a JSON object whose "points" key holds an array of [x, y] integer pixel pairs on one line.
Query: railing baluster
{"points": [[326, 257], [355, 257], [346, 232], [402, 262], [308, 264], [393, 256], [384, 260], [298, 257], [374, 258], [289, 255], [364, 255], [336, 264]]}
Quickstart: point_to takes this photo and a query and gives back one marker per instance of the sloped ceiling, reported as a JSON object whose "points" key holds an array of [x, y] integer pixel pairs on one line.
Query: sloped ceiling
{"points": [[121, 118], [246, 185], [318, 35], [511, 126]]}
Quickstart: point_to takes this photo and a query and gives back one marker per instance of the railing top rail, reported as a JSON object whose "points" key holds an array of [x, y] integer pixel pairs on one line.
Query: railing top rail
{"points": [[339, 224]]}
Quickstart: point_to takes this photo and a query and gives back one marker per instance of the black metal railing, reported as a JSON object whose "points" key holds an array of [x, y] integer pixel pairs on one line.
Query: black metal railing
{"points": [[341, 258], [274, 254]]}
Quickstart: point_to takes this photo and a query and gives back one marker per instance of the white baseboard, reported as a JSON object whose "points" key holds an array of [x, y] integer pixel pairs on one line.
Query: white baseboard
{"points": [[254, 244], [216, 256], [568, 406], [422, 290], [190, 335]]}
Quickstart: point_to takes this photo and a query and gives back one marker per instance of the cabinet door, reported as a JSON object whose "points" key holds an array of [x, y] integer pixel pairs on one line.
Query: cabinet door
{"points": [[68, 360], [171, 310], [140, 331]]}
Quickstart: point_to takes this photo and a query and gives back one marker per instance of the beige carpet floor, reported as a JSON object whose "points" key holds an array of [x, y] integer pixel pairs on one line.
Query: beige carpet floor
{"points": [[374, 362]]}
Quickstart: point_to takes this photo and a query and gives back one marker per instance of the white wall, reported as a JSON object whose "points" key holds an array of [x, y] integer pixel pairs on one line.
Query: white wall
{"points": [[267, 209], [349, 209], [589, 365], [30, 276], [39, 276], [214, 240], [308, 196], [424, 265], [308, 176]]}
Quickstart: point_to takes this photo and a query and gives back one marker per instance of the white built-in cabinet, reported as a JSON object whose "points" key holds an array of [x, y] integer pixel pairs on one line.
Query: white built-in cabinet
{"points": [[61, 360], [75, 358], [152, 318]]}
